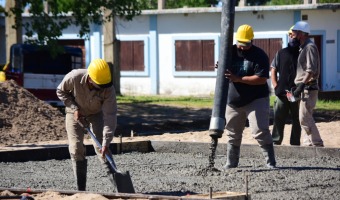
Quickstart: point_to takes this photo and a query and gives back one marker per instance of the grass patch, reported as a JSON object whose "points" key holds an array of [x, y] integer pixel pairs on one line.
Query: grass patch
{"points": [[328, 105], [192, 102], [206, 102]]}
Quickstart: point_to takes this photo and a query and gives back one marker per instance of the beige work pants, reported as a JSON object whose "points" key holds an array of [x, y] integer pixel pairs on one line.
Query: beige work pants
{"points": [[75, 135], [257, 113], [311, 135]]}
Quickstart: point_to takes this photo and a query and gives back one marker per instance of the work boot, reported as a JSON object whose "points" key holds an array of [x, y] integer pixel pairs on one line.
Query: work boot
{"points": [[80, 171], [268, 152], [233, 155]]}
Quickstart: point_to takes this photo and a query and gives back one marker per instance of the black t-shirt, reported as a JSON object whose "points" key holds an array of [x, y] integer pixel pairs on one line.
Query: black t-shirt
{"points": [[253, 62], [285, 62]]}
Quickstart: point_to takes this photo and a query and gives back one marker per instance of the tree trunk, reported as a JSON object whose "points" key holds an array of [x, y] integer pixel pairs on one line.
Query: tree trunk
{"points": [[13, 36]]}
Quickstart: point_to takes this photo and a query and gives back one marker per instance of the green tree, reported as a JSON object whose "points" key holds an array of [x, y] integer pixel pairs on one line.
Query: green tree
{"points": [[284, 2], [49, 25], [190, 3], [171, 4]]}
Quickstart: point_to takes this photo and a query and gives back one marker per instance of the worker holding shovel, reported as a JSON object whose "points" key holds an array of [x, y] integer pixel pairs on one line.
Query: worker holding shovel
{"points": [[89, 93]]}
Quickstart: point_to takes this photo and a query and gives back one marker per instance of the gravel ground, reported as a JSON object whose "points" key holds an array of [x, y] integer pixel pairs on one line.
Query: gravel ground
{"points": [[182, 174]]}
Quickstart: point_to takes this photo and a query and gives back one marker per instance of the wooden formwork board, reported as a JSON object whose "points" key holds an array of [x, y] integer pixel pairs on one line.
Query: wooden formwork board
{"points": [[220, 195], [215, 195]]}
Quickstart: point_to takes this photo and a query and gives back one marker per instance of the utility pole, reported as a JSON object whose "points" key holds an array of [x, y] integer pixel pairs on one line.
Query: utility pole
{"points": [[13, 35], [161, 4], [111, 50]]}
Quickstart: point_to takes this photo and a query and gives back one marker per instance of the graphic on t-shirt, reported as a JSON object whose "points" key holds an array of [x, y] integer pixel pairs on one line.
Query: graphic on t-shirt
{"points": [[241, 68]]}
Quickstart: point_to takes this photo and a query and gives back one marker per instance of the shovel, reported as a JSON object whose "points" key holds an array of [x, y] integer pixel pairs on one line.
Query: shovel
{"points": [[123, 181]]}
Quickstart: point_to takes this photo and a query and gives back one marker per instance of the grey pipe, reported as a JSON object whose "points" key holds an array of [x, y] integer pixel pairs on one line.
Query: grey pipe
{"points": [[217, 121]]}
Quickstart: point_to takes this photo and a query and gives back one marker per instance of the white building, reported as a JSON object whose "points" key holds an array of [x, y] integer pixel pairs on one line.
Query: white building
{"points": [[173, 52]]}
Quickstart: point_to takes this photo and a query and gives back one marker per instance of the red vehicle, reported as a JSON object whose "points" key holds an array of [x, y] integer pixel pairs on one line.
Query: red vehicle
{"points": [[34, 68]]}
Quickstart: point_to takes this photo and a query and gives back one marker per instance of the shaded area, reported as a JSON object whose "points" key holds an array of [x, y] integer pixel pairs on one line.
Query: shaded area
{"points": [[26, 119], [157, 119], [151, 119]]}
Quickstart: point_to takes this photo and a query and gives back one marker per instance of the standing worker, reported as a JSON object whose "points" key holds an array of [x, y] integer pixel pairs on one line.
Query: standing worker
{"points": [[248, 97], [284, 64], [89, 93], [308, 71]]}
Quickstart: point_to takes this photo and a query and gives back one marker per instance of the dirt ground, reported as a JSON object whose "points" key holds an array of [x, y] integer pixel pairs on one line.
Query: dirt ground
{"points": [[26, 120]]}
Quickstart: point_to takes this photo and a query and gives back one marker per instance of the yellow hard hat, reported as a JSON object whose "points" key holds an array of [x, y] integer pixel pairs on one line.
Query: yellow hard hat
{"points": [[2, 76], [290, 31], [99, 72], [244, 33]]}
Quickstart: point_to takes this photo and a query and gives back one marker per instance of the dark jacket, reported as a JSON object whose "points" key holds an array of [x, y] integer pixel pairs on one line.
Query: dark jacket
{"points": [[285, 62]]}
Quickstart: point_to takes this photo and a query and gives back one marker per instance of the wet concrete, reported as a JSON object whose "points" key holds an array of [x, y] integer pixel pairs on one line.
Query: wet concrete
{"points": [[181, 171]]}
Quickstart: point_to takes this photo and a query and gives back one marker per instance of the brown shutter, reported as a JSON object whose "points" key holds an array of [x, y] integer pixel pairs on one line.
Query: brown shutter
{"points": [[208, 52], [188, 55], [194, 55], [126, 56], [270, 46], [138, 55], [132, 55]]}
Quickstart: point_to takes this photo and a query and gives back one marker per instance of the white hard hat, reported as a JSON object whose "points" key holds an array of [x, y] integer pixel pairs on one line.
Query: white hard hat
{"points": [[302, 26]]}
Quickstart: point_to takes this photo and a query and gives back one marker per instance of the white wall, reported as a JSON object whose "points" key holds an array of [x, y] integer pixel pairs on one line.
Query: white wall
{"points": [[179, 25], [171, 26], [327, 22], [138, 29], [266, 24]]}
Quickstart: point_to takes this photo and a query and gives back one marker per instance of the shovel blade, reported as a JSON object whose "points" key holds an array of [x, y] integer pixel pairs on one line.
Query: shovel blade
{"points": [[124, 182]]}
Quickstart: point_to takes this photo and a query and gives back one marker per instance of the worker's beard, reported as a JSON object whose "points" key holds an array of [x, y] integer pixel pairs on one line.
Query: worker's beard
{"points": [[242, 53], [294, 42]]}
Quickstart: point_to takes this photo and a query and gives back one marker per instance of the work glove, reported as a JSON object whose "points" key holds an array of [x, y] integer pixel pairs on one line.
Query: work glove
{"points": [[299, 89], [82, 121]]}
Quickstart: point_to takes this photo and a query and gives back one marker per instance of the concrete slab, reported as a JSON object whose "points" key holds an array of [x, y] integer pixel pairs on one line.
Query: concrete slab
{"points": [[248, 150], [45, 152]]}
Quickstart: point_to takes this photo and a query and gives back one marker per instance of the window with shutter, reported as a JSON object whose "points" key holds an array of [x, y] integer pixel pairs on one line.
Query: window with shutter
{"points": [[132, 55], [194, 55], [270, 46]]}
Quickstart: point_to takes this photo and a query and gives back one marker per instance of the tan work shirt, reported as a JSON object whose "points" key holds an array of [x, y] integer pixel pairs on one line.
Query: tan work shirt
{"points": [[74, 92], [308, 61]]}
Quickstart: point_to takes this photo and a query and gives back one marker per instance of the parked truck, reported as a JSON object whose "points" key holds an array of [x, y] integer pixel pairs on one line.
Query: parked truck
{"points": [[34, 68]]}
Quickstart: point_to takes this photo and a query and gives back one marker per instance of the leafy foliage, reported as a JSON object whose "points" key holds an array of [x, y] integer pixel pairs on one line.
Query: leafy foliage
{"points": [[285, 2], [256, 2], [171, 4], [49, 25], [190, 3]]}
